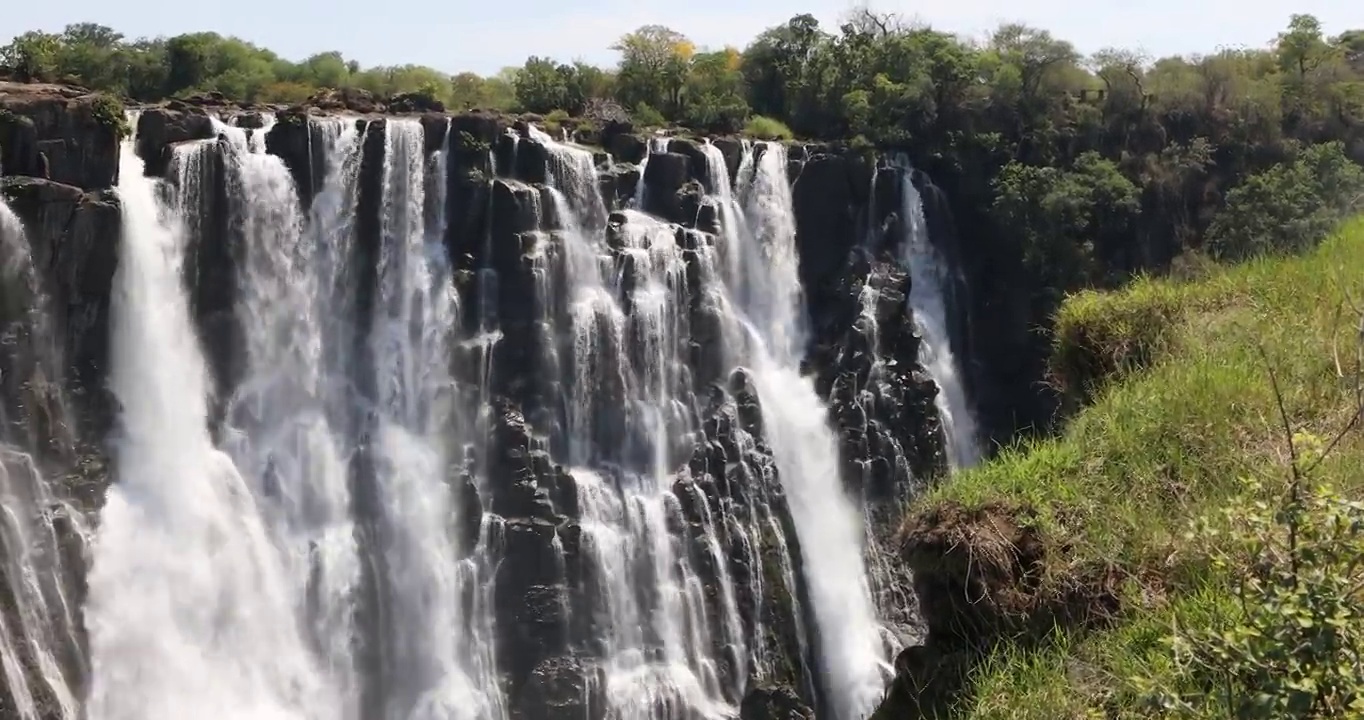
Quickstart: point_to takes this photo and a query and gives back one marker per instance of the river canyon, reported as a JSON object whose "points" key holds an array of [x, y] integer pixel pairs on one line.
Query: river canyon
{"points": [[442, 416]]}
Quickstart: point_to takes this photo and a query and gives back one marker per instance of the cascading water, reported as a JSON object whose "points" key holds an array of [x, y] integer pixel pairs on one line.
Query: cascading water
{"points": [[928, 285], [191, 612], [40, 653], [435, 668], [624, 415], [847, 632], [286, 415], [381, 530]]}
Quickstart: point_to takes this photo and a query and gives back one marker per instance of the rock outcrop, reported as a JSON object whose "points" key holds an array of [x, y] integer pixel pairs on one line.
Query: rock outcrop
{"points": [[982, 576], [60, 133], [74, 236]]}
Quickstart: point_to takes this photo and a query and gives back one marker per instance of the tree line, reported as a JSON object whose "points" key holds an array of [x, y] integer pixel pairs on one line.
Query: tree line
{"points": [[1094, 167]]}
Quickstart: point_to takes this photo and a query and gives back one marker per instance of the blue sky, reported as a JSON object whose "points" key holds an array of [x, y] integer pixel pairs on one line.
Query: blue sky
{"points": [[484, 35]]}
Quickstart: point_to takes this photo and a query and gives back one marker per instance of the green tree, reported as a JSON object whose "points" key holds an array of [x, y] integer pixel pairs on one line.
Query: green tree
{"points": [[328, 70], [715, 92], [469, 91], [542, 85], [147, 72], [1290, 206], [33, 55], [582, 83], [91, 53], [653, 68], [188, 59], [774, 65], [1065, 220]]}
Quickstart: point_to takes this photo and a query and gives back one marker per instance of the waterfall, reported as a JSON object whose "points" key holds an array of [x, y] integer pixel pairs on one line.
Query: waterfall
{"points": [[40, 655], [412, 432], [624, 417], [806, 451], [436, 668], [929, 282], [286, 428], [191, 612]]}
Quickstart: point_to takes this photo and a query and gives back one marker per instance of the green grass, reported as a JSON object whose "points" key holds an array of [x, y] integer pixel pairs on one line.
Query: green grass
{"points": [[766, 128], [1181, 407]]}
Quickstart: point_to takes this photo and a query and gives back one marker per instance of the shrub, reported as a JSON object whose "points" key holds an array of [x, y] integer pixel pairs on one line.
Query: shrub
{"points": [[766, 128], [467, 142], [108, 111], [555, 122], [1293, 645], [645, 116], [286, 92]]}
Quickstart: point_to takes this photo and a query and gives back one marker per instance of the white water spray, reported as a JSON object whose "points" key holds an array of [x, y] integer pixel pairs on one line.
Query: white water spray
{"points": [[190, 610], [40, 655], [806, 450], [928, 286]]}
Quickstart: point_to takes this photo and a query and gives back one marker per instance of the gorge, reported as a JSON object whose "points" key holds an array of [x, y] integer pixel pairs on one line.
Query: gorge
{"points": [[340, 415]]}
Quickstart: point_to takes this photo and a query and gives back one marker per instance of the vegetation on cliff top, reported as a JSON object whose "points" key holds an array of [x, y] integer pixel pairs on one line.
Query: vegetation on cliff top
{"points": [[1177, 479], [1095, 167]]}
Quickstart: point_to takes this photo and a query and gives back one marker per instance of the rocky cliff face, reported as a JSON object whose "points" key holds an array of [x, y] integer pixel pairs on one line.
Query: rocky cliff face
{"points": [[503, 217], [59, 133]]}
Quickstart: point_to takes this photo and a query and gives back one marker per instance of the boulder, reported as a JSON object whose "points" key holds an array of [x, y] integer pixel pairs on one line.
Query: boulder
{"points": [[291, 139], [733, 150], [345, 99], [626, 147], [158, 129], [562, 687], [697, 166], [414, 102]]}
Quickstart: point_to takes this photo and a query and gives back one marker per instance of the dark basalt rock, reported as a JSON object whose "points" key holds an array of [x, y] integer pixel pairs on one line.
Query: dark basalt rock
{"points": [[251, 120], [625, 146], [619, 184], [292, 140], [733, 150], [774, 703], [60, 133], [664, 176], [435, 129], [19, 154], [414, 102], [531, 599], [75, 236], [345, 99], [158, 129], [532, 594], [828, 198], [532, 162], [697, 157], [562, 687]]}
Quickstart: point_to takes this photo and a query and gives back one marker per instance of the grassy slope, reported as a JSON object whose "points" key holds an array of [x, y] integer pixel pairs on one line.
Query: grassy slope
{"points": [[1163, 444]]}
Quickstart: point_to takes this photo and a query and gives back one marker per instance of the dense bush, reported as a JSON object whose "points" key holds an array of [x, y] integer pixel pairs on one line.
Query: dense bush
{"points": [[1289, 206]]}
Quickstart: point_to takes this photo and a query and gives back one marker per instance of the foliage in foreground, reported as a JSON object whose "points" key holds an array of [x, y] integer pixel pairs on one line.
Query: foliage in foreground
{"points": [[1291, 645], [1242, 617]]}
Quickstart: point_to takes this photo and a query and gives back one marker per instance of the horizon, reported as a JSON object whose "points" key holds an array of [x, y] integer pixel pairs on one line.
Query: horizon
{"points": [[492, 42]]}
